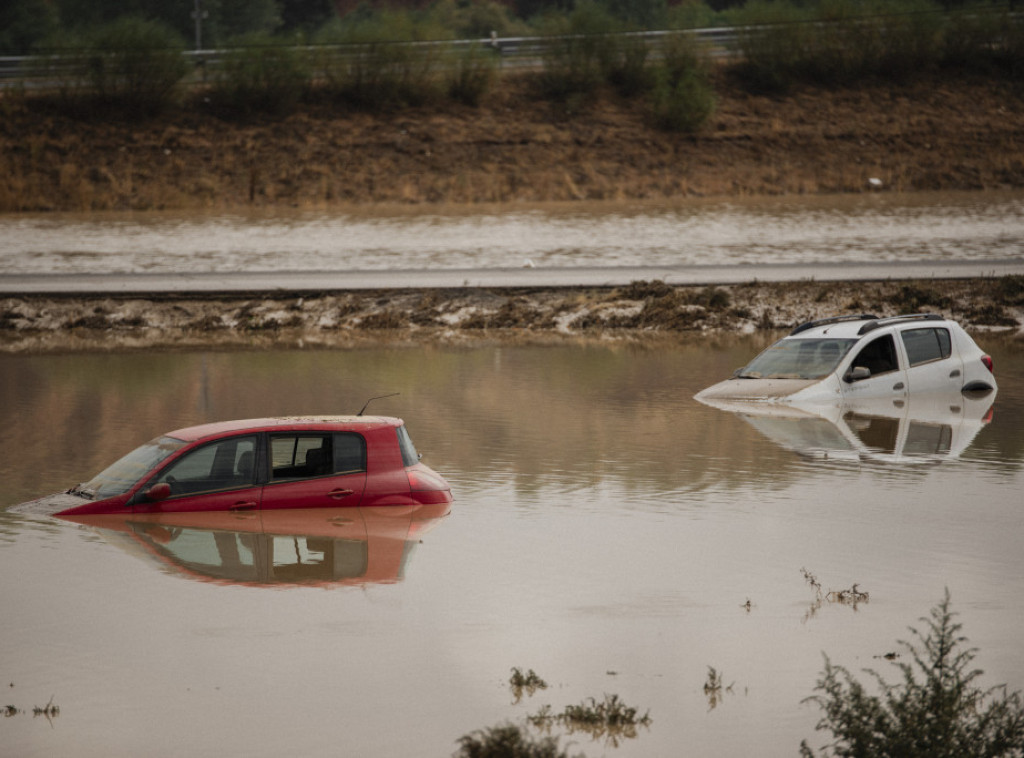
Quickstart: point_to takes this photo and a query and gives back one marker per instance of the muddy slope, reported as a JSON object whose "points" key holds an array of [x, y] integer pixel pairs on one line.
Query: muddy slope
{"points": [[346, 319], [931, 134]]}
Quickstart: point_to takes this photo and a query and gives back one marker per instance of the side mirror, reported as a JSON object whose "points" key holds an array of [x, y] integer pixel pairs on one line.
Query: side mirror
{"points": [[160, 491], [856, 374]]}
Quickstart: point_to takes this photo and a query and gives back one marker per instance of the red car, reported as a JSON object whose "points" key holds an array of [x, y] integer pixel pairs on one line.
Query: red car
{"points": [[272, 463]]}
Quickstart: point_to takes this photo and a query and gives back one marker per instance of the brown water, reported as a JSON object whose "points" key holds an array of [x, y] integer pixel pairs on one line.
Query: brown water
{"points": [[607, 532], [881, 229]]}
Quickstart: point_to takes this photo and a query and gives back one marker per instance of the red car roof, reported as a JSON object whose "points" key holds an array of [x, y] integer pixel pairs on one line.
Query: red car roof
{"points": [[286, 423]]}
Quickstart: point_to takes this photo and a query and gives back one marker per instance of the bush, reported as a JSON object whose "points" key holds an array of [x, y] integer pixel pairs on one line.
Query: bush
{"points": [[683, 98], [583, 48], [468, 76], [130, 65], [367, 66], [837, 41], [942, 716], [260, 73]]}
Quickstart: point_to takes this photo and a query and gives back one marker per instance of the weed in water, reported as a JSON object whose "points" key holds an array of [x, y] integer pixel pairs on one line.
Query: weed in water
{"points": [[528, 683], [714, 688], [936, 710], [507, 741]]}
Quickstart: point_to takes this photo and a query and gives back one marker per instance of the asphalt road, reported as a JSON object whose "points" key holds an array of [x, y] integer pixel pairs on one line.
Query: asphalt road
{"points": [[320, 281]]}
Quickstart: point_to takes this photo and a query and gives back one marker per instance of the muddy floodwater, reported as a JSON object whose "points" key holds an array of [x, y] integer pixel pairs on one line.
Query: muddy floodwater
{"points": [[880, 229], [608, 532]]}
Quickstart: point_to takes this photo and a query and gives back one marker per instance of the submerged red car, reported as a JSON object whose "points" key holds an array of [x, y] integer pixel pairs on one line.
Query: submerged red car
{"points": [[261, 464]]}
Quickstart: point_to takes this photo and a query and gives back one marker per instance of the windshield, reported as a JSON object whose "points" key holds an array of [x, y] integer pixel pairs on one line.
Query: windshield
{"points": [[119, 478], [798, 359]]}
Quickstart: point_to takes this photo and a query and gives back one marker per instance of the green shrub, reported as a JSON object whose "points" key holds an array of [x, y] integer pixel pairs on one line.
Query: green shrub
{"points": [[370, 64], [837, 42], [683, 98], [469, 74], [260, 73], [772, 38], [941, 715], [130, 66], [582, 50]]}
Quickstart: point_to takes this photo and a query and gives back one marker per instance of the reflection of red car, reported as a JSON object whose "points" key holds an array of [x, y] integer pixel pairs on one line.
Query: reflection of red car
{"points": [[321, 547], [261, 464]]}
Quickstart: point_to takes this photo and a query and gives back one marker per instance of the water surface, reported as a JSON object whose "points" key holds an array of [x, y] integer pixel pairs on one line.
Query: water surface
{"points": [[608, 532]]}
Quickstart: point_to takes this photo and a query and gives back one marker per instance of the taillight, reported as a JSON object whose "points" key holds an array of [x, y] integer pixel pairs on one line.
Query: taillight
{"points": [[424, 481], [987, 360]]}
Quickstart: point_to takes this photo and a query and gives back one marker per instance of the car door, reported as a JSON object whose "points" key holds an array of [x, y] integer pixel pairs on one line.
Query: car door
{"points": [[314, 470], [886, 376], [933, 365], [216, 476]]}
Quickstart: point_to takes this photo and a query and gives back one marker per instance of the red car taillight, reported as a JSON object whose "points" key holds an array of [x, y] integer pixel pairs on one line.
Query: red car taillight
{"points": [[424, 481], [987, 360]]}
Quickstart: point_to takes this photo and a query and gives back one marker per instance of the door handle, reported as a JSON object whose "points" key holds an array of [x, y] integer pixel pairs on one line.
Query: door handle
{"points": [[338, 494], [243, 505], [898, 386], [954, 373]]}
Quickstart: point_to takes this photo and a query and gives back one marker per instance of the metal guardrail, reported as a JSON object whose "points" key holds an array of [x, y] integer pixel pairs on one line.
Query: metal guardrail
{"points": [[513, 52]]}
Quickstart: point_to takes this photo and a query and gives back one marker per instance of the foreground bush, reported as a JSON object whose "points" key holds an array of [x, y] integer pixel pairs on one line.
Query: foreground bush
{"points": [[942, 715], [507, 742]]}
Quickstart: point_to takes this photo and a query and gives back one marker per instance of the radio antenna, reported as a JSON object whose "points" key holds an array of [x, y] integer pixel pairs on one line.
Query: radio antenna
{"points": [[379, 397]]}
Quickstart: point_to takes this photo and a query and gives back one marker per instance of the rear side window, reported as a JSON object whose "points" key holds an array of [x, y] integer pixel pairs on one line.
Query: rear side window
{"points": [[300, 456], [409, 455], [349, 453], [924, 345]]}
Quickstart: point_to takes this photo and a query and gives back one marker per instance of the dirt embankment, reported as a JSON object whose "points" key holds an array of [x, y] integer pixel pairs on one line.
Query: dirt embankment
{"points": [[933, 134], [637, 311]]}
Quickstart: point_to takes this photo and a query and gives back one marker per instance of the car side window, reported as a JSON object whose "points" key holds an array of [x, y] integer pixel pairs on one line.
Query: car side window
{"points": [[349, 453], [300, 456], [925, 345], [222, 465], [878, 356]]}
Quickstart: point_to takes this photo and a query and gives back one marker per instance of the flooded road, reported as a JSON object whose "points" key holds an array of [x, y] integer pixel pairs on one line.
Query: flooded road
{"points": [[865, 229], [608, 533]]}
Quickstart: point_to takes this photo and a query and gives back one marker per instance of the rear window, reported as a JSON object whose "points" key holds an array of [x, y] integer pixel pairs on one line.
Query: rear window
{"points": [[924, 345], [409, 455]]}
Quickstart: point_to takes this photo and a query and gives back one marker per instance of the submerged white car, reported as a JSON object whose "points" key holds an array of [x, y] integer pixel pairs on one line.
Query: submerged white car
{"points": [[858, 357]]}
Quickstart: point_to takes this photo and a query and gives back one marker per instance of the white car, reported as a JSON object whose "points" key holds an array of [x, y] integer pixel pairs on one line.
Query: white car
{"points": [[861, 357]]}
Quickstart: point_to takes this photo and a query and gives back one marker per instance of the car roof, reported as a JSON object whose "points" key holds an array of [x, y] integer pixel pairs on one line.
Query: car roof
{"points": [[286, 424], [856, 326]]}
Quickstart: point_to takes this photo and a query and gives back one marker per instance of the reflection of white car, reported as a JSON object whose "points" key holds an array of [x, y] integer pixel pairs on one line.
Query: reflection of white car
{"points": [[855, 357], [924, 427]]}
